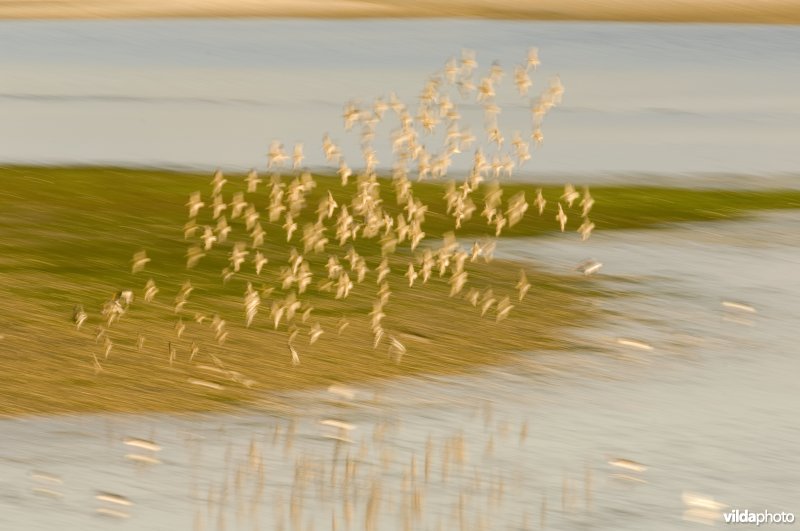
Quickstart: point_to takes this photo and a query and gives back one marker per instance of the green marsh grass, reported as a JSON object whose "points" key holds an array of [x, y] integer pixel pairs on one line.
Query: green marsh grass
{"points": [[67, 236]]}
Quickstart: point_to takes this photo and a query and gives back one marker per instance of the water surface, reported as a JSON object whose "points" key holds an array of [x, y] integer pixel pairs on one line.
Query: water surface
{"points": [[711, 409], [205, 93]]}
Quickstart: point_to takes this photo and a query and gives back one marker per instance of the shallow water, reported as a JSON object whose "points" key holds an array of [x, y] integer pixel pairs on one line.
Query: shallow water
{"points": [[711, 409], [205, 93]]}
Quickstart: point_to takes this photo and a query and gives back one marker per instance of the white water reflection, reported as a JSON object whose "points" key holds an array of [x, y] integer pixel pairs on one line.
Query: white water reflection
{"points": [[711, 409]]}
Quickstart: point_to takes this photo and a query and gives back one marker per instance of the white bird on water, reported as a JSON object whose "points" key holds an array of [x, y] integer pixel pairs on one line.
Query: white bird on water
{"points": [[533, 59], [640, 345], [738, 306], [143, 444], [113, 498], [588, 267]]}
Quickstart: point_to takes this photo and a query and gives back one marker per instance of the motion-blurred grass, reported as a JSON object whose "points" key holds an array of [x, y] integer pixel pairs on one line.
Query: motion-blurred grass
{"points": [[67, 236]]}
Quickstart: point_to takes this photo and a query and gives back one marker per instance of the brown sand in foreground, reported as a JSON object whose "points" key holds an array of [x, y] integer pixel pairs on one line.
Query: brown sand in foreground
{"points": [[733, 11]]}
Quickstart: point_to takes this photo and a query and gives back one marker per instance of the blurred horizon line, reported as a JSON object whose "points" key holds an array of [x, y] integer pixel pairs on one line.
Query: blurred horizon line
{"points": [[666, 11]]}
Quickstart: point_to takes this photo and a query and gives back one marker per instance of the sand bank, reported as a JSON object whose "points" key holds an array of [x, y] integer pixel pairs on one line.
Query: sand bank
{"points": [[731, 11]]}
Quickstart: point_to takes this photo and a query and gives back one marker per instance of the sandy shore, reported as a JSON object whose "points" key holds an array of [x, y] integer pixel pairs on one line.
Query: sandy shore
{"points": [[732, 11]]}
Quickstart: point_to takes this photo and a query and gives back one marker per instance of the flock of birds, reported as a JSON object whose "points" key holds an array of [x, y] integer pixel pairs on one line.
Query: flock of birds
{"points": [[234, 217], [219, 217]]}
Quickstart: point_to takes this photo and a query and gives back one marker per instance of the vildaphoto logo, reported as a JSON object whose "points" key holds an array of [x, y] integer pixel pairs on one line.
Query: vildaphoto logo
{"points": [[745, 516]]}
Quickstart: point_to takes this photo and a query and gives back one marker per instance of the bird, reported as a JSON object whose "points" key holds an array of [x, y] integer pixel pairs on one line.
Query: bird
{"points": [[397, 348], [223, 229], [218, 182], [330, 149], [411, 275], [297, 156], [523, 285], [251, 303], [204, 383], [504, 307], [314, 333], [190, 229], [208, 238], [124, 298], [587, 267], [290, 227], [586, 229], [275, 155], [468, 62], [701, 501], [238, 204], [540, 201], [218, 206], [150, 290], [451, 70], [143, 444], [113, 498], [257, 235], [180, 327], [259, 260], [139, 261], [537, 137], [383, 270], [522, 80], [351, 115], [738, 306], [487, 301], [79, 316], [194, 204], [252, 181], [238, 255], [640, 345], [561, 217], [533, 59], [295, 355], [193, 256], [627, 464], [570, 195], [343, 287], [587, 202]]}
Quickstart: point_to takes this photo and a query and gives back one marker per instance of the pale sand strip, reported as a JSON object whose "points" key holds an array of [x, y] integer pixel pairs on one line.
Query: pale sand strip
{"points": [[749, 11]]}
